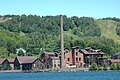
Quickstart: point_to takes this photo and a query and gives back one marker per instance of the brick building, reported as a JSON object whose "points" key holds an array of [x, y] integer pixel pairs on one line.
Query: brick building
{"points": [[74, 58]]}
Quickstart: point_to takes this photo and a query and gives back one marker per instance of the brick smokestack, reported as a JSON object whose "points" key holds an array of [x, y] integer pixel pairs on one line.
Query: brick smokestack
{"points": [[62, 42]]}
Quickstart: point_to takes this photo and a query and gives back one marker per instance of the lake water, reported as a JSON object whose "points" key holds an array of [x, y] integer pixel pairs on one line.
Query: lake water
{"points": [[108, 75]]}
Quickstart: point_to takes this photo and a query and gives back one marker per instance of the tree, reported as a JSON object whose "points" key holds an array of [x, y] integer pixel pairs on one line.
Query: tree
{"points": [[105, 67], [113, 66], [33, 32], [93, 67], [3, 52], [21, 53], [118, 29], [118, 66]]}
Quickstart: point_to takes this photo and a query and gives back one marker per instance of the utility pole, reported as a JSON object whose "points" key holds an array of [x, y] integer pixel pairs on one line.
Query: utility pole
{"points": [[62, 42]]}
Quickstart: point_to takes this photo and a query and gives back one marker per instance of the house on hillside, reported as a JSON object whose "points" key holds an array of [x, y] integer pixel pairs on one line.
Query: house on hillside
{"points": [[73, 58], [21, 51], [24, 51], [50, 59], [28, 63], [11, 62], [4, 64], [91, 56]]}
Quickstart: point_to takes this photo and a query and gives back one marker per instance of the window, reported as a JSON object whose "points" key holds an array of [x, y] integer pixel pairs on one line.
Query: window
{"points": [[66, 51], [76, 53], [54, 65], [34, 65], [76, 59], [79, 59], [68, 59]]}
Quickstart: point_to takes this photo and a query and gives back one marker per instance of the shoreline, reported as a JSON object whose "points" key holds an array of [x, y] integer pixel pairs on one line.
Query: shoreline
{"points": [[57, 70], [11, 71], [50, 70]]}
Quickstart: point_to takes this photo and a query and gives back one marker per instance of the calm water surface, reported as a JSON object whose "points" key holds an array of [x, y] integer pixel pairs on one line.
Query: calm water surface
{"points": [[115, 75]]}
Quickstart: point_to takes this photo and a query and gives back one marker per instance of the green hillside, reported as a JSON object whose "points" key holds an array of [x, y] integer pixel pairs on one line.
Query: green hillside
{"points": [[108, 29], [36, 34], [69, 33]]}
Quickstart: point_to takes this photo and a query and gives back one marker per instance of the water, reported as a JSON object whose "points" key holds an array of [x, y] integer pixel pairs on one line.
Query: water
{"points": [[110, 75]]}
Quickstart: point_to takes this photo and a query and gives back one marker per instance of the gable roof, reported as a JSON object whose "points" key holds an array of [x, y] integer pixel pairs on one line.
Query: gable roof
{"points": [[50, 53], [11, 60], [55, 58], [75, 47], [86, 52], [26, 59], [115, 60], [2, 60], [88, 48], [24, 51]]}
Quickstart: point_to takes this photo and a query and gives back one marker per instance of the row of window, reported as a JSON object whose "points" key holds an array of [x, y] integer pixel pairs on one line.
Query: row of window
{"points": [[77, 59], [55, 65]]}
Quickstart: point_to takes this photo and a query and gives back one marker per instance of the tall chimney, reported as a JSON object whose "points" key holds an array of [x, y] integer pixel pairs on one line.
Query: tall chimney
{"points": [[62, 42]]}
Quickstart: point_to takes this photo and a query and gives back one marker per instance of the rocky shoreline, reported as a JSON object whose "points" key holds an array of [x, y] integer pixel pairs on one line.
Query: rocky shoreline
{"points": [[50, 70]]}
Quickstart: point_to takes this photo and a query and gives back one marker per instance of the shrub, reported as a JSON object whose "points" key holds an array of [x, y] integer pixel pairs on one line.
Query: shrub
{"points": [[118, 66], [113, 66], [105, 67], [1, 67], [93, 67], [100, 68]]}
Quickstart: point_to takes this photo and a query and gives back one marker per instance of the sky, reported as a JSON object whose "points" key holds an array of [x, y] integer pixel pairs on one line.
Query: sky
{"points": [[80, 8]]}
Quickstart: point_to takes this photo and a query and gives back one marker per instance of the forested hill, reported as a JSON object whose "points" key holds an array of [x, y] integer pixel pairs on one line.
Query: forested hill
{"points": [[35, 34]]}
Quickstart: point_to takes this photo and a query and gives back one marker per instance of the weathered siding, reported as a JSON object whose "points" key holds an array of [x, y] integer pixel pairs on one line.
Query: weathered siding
{"points": [[6, 65], [27, 66], [38, 65], [17, 64], [74, 58], [56, 63]]}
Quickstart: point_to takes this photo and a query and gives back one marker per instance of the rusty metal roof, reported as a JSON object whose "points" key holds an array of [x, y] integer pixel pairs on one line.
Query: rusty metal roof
{"points": [[26, 59], [11, 60], [50, 53], [115, 60], [86, 52], [2, 60]]}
